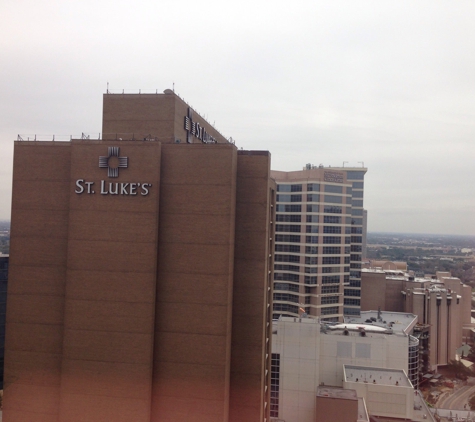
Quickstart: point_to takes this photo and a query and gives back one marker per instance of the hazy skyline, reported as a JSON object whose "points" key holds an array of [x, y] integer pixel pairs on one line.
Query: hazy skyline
{"points": [[390, 84]]}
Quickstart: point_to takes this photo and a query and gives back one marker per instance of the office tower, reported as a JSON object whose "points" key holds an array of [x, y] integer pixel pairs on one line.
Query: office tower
{"points": [[319, 227], [140, 272]]}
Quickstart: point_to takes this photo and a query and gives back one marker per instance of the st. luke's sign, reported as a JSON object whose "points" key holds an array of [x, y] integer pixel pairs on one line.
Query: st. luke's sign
{"points": [[113, 162]]}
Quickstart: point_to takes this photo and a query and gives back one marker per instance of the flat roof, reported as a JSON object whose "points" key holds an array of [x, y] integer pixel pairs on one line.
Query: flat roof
{"points": [[370, 375], [399, 322], [336, 392]]}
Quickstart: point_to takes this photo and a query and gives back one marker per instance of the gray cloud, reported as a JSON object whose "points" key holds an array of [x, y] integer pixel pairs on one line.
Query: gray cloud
{"points": [[387, 83]]}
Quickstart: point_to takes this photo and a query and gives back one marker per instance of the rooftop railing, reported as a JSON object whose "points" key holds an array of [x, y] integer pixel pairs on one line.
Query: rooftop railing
{"points": [[56, 138]]}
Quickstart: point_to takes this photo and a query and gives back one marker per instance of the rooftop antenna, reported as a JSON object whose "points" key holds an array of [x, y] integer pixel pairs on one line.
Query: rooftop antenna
{"points": [[107, 87], [173, 86], [362, 163], [344, 163]]}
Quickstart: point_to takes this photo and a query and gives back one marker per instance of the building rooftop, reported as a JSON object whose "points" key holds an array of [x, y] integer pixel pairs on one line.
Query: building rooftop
{"points": [[398, 322], [382, 376], [336, 392]]}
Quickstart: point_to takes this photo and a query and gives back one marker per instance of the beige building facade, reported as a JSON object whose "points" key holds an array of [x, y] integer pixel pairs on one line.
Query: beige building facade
{"points": [[307, 355], [141, 270], [319, 242], [442, 304]]}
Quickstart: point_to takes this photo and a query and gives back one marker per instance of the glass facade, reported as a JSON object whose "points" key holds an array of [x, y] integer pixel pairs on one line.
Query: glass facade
{"points": [[322, 213]]}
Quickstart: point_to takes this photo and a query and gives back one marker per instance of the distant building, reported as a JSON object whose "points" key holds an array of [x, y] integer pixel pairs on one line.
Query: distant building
{"points": [[441, 302], [319, 242]]}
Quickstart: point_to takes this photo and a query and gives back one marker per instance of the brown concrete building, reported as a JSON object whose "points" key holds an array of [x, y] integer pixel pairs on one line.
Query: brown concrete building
{"points": [[442, 304], [141, 269]]}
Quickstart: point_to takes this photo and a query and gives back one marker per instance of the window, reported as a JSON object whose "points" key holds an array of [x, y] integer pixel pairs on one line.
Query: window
{"points": [[288, 208], [287, 248], [355, 283], [313, 197], [286, 286], [274, 385], [330, 260], [327, 270], [331, 219], [311, 239], [357, 194], [310, 279], [292, 218], [286, 277], [312, 229], [358, 185], [330, 279], [283, 267], [311, 270], [332, 229], [285, 307], [357, 221], [326, 300], [331, 209], [347, 230], [355, 274], [357, 203], [330, 250], [331, 239], [311, 249], [355, 175], [333, 189], [330, 289], [286, 258], [312, 218], [311, 260], [347, 260], [287, 228], [307, 300], [352, 292], [290, 238], [333, 199], [349, 191], [356, 265], [347, 240], [313, 187], [289, 188], [312, 208], [356, 239], [289, 198], [356, 211], [351, 302], [357, 230], [310, 290], [287, 297], [330, 310], [355, 248]]}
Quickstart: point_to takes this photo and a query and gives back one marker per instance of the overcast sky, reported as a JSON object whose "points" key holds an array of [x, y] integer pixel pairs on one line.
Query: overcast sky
{"points": [[387, 83]]}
